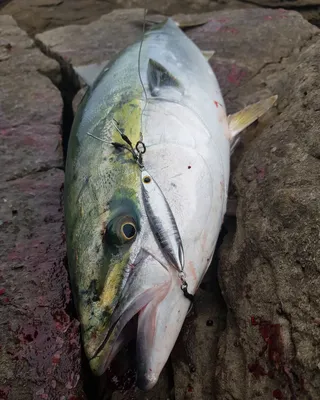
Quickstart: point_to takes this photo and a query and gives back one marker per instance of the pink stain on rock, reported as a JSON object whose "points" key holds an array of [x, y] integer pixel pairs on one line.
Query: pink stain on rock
{"points": [[236, 75], [227, 29], [223, 20], [261, 173], [283, 13]]}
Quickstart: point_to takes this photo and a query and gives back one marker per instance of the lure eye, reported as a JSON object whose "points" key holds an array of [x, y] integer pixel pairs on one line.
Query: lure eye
{"points": [[147, 179], [128, 230], [120, 230]]}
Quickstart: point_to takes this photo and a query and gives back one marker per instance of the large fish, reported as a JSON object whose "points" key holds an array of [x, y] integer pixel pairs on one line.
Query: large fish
{"points": [[142, 222]]}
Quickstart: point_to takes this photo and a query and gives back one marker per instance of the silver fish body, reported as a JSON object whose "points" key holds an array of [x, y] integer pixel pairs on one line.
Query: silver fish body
{"points": [[128, 240]]}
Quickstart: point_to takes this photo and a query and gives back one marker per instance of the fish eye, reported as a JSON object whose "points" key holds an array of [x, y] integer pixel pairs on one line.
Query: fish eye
{"points": [[120, 230], [128, 230], [147, 179]]}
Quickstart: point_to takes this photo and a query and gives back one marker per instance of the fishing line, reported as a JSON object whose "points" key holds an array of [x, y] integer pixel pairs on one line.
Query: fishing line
{"points": [[140, 147], [182, 276], [139, 66]]}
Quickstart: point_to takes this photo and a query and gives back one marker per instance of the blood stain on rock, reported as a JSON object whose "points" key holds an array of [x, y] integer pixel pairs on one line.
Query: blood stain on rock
{"points": [[190, 388], [271, 334], [56, 359], [277, 394], [4, 392], [271, 374], [257, 370], [62, 320]]}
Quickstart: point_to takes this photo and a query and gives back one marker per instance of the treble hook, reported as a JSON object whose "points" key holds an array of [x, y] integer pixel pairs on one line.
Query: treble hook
{"points": [[184, 286]]}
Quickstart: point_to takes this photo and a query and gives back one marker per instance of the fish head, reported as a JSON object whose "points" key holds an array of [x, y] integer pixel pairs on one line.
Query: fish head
{"points": [[103, 222], [119, 278]]}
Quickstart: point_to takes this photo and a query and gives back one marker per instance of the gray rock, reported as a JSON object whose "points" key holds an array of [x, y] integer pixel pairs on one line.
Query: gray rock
{"points": [[30, 105], [267, 348], [39, 340], [270, 269], [51, 14], [93, 44], [287, 3], [194, 357]]}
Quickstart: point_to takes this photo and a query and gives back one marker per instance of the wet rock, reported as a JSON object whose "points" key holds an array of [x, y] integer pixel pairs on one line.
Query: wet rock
{"points": [[162, 391], [264, 34], [83, 51], [30, 105], [39, 340], [312, 14], [194, 357], [54, 13], [287, 3], [270, 271], [257, 55]]}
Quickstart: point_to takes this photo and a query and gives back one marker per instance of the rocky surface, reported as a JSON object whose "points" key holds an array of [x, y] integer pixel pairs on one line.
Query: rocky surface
{"points": [[287, 3], [270, 270], [39, 340], [39, 15], [265, 345]]}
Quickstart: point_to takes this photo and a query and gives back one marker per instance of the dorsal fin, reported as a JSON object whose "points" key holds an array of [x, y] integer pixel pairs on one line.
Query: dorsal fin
{"points": [[159, 77]]}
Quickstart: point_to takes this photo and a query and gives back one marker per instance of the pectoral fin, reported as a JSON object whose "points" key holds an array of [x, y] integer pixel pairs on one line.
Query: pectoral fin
{"points": [[90, 72], [242, 119]]}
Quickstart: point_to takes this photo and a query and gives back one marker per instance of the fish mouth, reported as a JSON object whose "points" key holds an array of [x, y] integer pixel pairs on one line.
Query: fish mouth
{"points": [[146, 287]]}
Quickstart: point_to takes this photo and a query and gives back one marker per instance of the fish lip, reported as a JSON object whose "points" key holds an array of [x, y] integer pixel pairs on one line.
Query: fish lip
{"points": [[108, 357], [123, 318], [105, 340]]}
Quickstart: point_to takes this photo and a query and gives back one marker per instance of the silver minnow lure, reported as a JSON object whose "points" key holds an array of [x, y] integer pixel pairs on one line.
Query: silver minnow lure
{"points": [[162, 221]]}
